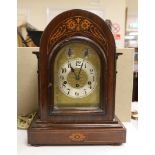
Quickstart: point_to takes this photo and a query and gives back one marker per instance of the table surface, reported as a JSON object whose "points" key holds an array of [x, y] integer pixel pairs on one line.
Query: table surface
{"points": [[128, 148]]}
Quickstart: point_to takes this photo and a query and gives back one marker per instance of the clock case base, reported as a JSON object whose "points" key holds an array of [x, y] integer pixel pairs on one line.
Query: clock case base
{"points": [[47, 133]]}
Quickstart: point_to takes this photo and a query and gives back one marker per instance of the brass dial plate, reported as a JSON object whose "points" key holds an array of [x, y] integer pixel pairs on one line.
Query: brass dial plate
{"points": [[77, 76]]}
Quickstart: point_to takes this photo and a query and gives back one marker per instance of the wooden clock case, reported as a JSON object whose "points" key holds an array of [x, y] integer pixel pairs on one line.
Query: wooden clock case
{"points": [[76, 126]]}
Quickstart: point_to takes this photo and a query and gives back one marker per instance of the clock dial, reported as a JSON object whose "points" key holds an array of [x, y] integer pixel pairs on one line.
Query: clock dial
{"points": [[77, 76]]}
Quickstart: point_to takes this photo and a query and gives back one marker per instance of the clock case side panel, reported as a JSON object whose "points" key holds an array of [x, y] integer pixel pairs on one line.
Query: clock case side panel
{"points": [[56, 31], [68, 115]]}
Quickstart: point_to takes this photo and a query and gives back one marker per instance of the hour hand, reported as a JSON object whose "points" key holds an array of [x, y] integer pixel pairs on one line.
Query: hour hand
{"points": [[72, 70]]}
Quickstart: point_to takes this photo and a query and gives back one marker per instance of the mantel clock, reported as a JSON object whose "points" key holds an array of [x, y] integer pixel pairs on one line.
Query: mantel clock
{"points": [[76, 78]]}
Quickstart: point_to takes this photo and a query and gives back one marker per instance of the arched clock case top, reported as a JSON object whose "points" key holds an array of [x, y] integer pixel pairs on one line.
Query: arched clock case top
{"points": [[76, 24]]}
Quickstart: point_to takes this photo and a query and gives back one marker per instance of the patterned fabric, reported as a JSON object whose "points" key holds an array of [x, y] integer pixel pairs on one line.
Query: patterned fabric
{"points": [[23, 122], [25, 41]]}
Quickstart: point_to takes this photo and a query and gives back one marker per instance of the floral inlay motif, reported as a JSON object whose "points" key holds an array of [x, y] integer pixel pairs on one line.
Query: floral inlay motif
{"points": [[77, 137]]}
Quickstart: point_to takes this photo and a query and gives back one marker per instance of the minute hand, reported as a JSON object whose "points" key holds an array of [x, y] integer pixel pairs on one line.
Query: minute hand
{"points": [[78, 76], [85, 55]]}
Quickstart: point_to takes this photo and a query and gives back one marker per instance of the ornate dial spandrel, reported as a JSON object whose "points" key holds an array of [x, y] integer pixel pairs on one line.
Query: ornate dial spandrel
{"points": [[74, 25]]}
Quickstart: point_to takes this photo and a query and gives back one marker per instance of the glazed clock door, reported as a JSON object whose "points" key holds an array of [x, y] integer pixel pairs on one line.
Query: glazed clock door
{"points": [[77, 76], [78, 71]]}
